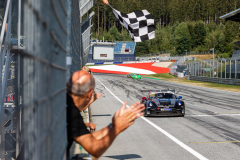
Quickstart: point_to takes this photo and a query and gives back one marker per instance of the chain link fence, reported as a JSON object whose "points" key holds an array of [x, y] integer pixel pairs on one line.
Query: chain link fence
{"points": [[49, 48]]}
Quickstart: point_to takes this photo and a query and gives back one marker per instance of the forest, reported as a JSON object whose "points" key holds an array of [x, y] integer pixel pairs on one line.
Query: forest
{"points": [[192, 25]]}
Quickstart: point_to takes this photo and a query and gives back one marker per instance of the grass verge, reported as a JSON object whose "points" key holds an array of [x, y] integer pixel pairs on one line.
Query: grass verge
{"points": [[170, 78], [161, 75], [202, 57]]}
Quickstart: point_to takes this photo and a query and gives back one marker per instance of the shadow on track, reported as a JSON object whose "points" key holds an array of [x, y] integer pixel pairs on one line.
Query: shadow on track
{"points": [[125, 156]]}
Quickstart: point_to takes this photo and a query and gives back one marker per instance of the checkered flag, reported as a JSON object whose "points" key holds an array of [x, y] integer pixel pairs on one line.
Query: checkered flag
{"points": [[140, 24]]}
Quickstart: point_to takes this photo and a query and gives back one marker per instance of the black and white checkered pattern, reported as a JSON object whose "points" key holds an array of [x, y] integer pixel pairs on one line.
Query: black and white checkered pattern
{"points": [[140, 24]]}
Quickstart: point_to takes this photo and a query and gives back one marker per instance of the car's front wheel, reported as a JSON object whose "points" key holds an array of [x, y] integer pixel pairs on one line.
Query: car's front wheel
{"points": [[183, 112]]}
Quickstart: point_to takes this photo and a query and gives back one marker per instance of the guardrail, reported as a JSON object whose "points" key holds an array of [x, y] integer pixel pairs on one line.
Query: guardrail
{"points": [[216, 80]]}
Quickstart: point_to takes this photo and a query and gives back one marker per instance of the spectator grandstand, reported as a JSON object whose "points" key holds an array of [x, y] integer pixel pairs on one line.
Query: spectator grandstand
{"points": [[123, 51], [131, 47], [118, 47]]}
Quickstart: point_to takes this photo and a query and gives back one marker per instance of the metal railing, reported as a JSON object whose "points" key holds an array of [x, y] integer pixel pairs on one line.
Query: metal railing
{"points": [[5, 62], [116, 59], [223, 68], [173, 53]]}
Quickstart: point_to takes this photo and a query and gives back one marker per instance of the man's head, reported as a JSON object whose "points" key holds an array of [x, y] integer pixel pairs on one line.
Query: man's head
{"points": [[105, 1], [80, 87]]}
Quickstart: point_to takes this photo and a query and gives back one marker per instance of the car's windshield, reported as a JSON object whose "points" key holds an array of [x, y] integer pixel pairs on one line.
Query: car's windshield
{"points": [[162, 95]]}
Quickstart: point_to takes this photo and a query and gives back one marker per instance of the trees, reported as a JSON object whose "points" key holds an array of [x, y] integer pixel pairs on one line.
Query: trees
{"points": [[143, 47], [182, 37], [165, 12], [184, 24]]}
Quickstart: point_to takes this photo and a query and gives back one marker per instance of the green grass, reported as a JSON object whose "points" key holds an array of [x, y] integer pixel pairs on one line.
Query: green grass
{"points": [[152, 78], [162, 75], [168, 77], [216, 85]]}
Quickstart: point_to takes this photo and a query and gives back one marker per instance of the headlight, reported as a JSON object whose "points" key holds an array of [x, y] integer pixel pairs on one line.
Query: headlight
{"points": [[150, 104], [179, 103]]}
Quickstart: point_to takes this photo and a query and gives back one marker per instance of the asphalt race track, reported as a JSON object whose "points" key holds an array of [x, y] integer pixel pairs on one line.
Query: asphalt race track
{"points": [[209, 130]]}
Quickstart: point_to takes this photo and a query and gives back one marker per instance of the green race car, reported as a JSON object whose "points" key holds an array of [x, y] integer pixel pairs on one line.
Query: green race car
{"points": [[136, 76], [130, 75]]}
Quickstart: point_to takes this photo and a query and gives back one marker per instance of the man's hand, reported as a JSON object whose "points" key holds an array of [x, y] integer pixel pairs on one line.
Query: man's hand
{"points": [[90, 125], [98, 95], [95, 97], [136, 108], [120, 123], [105, 1]]}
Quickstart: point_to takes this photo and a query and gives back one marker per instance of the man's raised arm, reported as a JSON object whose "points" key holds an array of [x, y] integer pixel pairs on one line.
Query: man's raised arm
{"points": [[98, 147], [137, 108]]}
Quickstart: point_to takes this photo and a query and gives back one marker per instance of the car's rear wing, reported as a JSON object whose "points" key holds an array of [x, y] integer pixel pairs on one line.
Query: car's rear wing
{"points": [[153, 90]]}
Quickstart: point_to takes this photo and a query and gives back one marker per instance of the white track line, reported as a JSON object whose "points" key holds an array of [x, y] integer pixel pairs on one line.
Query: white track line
{"points": [[193, 152], [212, 115]]}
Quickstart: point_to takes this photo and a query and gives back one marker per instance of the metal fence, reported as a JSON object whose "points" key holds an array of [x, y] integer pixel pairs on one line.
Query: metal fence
{"points": [[7, 111], [236, 54], [173, 53], [51, 45], [197, 52], [221, 68], [116, 59], [179, 59], [86, 28]]}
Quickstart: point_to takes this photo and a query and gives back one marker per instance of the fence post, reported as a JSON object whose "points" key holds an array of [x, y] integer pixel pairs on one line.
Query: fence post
{"points": [[217, 68], [221, 68], [192, 69], [235, 69], [225, 69], [210, 69], [213, 68], [198, 68], [195, 69], [194, 65], [230, 75], [203, 66]]}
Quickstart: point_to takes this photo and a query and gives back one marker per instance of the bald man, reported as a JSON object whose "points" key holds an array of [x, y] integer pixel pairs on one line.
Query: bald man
{"points": [[80, 88], [94, 97]]}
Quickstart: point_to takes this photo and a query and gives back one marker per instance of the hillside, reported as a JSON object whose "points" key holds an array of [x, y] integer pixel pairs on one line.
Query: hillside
{"points": [[192, 25]]}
